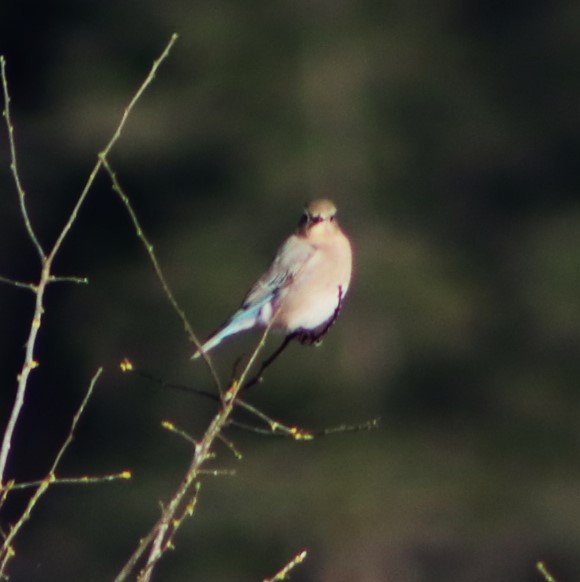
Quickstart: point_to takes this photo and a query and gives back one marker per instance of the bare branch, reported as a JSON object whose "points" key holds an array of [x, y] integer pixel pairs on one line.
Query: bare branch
{"points": [[14, 163], [109, 146], [45, 278], [285, 571], [29, 364], [75, 421], [82, 480], [21, 285], [275, 427], [178, 431], [543, 570], [78, 280], [46, 275], [7, 552], [167, 524], [157, 267]]}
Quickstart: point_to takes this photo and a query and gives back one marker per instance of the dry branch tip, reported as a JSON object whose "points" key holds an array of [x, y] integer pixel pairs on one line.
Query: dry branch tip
{"points": [[126, 365]]}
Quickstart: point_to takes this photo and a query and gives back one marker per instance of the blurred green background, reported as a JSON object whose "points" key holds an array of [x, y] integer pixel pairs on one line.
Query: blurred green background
{"points": [[448, 134]]}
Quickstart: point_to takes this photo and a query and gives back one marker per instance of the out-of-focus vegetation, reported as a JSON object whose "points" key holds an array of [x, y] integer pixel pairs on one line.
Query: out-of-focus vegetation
{"points": [[449, 136]]}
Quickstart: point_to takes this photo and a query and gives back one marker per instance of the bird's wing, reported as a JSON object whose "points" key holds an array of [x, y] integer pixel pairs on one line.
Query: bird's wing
{"points": [[290, 259]]}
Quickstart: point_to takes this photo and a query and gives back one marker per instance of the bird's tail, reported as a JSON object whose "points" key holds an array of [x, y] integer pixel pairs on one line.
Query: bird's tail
{"points": [[241, 321]]}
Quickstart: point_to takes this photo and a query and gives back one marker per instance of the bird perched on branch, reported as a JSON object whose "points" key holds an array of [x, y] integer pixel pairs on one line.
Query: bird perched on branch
{"points": [[302, 292]]}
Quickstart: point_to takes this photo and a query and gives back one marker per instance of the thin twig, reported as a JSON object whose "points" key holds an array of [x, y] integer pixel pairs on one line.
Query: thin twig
{"points": [[203, 452], [204, 394], [285, 571], [29, 364], [543, 570], [218, 472], [156, 266], [21, 285], [166, 526], [167, 544], [372, 424], [258, 377], [164, 384], [274, 425], [75, 421], [14, 164], [121, 125], [82, 480], [47, 260], [45, 278], [6, 552], [275, 428], [178, 431], [77, 280], [231, 446]]}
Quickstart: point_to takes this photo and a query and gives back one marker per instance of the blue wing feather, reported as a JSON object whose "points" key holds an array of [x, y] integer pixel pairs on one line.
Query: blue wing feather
{"points": [[291, 257], [244, 318]]}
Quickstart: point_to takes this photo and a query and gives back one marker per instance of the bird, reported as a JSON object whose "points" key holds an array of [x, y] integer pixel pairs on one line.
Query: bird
{"points": [[302, 292]]}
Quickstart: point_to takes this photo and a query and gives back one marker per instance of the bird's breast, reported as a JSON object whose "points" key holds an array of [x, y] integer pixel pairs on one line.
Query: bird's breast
{"points": [[315, 293]]}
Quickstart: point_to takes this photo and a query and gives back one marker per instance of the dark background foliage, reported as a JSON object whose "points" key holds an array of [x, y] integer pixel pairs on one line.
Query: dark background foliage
{"points": [[448, 133]]}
